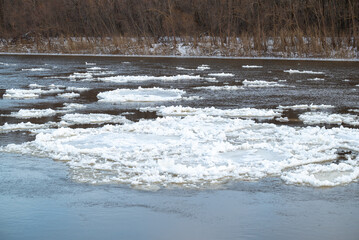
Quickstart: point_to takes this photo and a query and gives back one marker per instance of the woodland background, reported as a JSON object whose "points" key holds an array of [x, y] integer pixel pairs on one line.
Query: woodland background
{"points": [[228, 27]]}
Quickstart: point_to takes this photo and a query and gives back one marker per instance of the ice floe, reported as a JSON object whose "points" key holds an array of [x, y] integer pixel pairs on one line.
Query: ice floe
{"points": [[92, 118], [222, 74], [35, 69], [130, 78], [77, 89], [315, 79], [28, 126], [313, 118], [290, 71], [140, 95], [251, 66], [220, 88], [73, 106], [261, 83], [33, 113], [211, 111], [193, 151], [29, 93], [305, 106], [69, 95]]}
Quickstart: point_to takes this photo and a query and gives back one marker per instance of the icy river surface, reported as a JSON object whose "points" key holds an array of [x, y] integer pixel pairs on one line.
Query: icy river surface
{"points": [[176, 148]]}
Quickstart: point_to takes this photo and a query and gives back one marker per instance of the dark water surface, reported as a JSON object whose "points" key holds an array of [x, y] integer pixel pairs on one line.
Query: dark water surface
{"points": [[40, 200]]}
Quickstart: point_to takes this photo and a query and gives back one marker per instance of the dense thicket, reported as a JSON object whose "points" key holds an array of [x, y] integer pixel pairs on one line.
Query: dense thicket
{"points": [[159, 18]]}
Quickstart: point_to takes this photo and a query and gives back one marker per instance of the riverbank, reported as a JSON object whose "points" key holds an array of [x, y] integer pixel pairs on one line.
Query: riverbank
{"points": [[304, 48]]}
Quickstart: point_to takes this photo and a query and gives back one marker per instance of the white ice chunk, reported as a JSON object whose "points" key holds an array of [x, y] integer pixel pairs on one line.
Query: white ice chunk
{"points": [[290, 71], [35, 69], [77, 89], [251, 66], [69, 95], [222, 74], [322, 117], [140, 95], [129, 78], [305, 106], [92, 118], [211, 111], [220, 88], [261, 83], [33, 113]]}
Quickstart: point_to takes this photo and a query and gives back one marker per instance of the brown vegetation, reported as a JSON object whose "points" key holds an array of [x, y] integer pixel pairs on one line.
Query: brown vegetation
{"points": [[236, 27]]}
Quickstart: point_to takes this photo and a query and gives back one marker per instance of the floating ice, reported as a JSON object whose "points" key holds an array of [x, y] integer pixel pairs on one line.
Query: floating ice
{"points": [[251, 66], [33, 113], [221, 74], [193, 151], [220, 88], [315, 79], [35, 69], [77, 89], [34, 85], [69, 95], [129, 78], [28, 126], [323, 175], [305, 106], [73, 106], [82, 76], [92, 118], [90, 64], [22, 93], [239, 113], [313, 118], [140, 95], [203, 67], [354, 110], [282, 119], [304, 72], [261, 83]]}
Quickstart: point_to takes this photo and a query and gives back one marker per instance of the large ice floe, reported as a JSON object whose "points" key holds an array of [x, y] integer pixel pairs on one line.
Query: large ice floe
{"points": [[140, 95], [195, 148]]}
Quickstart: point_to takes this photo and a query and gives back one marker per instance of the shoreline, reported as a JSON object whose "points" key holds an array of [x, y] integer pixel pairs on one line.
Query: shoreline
{"points": [[179, 56]]}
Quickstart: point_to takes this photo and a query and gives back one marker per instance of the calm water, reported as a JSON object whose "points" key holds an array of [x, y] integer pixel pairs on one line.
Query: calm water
{"points": [[89, 194]]}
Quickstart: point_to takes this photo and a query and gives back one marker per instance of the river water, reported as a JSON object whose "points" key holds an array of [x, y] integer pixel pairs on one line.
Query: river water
{"points": [[178, 148]]}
